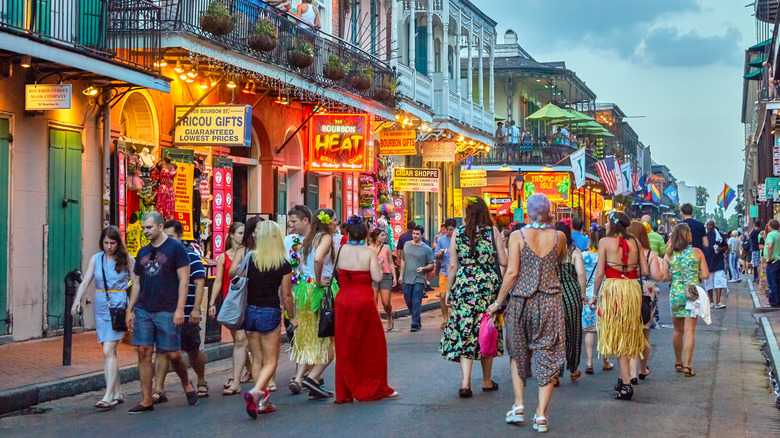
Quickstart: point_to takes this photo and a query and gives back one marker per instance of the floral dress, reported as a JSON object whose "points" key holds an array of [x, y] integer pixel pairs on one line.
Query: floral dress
{"points": [[685, 270], [589, 316], [476, 287]]}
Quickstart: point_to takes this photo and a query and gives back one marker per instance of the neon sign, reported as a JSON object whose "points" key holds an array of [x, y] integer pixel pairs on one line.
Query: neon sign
{"points": [[338, 142]]}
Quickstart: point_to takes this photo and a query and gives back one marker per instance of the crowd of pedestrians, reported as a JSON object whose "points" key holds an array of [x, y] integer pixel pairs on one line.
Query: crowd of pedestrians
{"points": [[544, 290]]}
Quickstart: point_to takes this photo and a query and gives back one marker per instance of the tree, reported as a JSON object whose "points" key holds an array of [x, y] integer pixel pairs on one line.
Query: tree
{"points": [[702, 196], [720, 220], [734, 222], [698, 214]]}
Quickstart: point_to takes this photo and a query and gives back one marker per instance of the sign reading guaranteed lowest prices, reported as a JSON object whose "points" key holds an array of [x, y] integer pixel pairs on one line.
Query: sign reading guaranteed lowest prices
{"points": [[415, 180], [214, 125]]}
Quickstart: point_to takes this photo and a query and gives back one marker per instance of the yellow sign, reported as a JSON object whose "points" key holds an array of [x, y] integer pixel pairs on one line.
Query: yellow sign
{"points": [[555, 185], [607, 205], [398, 143], [457, 201], [407, 179], [182, 186], [443, 151], [473, 178], [214, 125]]}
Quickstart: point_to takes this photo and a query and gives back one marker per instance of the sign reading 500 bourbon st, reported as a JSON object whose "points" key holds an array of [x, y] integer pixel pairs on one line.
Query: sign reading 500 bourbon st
{"points": [[338, 142]]}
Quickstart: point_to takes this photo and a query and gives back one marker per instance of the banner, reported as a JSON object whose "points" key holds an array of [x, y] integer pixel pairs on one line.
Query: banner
{"points": [[398, 143], [442, 151], [457, 202], [772, 189], [407, 179], [338, 142], [473, 178], [214, 125], [182, 187], [673, 195], [578, 167], [727, 195], [776, 158], [625, 180], [754, 211]]}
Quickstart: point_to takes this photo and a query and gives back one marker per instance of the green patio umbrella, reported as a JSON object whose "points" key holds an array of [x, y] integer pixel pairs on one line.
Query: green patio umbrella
{"points": [[578, 118], [550, 112]]}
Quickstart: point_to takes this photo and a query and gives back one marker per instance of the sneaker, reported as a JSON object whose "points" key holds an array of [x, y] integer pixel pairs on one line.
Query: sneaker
{"points": [[720, 306], [712, 305], [141, 409], [315, 387], [266, 408], [415, 328], [313, 395], [250, 398]]}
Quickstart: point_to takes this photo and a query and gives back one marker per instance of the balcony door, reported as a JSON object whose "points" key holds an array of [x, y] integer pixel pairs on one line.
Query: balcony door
{"points": [[5, 152], [421, 49]]}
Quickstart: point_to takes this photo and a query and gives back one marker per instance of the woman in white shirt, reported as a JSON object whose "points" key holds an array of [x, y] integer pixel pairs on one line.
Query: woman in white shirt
{"points": [[734, 257]]}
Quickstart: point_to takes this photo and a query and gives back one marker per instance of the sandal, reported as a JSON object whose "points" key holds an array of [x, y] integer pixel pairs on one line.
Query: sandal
{"points": [[390, 326], [295, 387], [515, 415], [203, 390], [540, 424], [688, 372], [106, 406], [228, 384], [644, 376], [231, 391], [678, 366], [556, 382], [589, 369], [271, 387], [492, 387], [575, 375], [246, 378], [607, 367], [159, 397], [464, 393]]}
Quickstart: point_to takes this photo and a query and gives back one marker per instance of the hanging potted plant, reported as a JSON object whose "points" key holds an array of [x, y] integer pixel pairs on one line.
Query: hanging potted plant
{"points": [[386, 91], [336, 68], [217, 20], [362, 78], [265, 38], [301, 53]]}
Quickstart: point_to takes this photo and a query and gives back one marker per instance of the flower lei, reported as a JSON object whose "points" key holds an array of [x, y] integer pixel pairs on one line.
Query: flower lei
{"points": [[538, 226], [324, 218]]}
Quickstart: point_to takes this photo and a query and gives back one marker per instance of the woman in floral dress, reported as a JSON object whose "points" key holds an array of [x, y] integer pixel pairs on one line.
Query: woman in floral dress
{"points": [[472, 284], [683, 266]]}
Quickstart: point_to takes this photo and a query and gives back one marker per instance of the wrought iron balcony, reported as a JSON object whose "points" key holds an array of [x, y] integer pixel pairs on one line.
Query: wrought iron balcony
{"points": [[185, 16], [535, 154], [126, 32]]}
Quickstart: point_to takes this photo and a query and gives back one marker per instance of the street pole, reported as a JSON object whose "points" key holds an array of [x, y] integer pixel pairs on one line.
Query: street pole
{"points": [[72, 281]]}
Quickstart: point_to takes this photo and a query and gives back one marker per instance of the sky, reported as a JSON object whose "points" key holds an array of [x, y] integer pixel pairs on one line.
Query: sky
{"points": [[679, 63]]}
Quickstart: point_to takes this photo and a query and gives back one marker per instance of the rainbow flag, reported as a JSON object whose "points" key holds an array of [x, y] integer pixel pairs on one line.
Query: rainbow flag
{"points": [[726, 196], [656, 193]]}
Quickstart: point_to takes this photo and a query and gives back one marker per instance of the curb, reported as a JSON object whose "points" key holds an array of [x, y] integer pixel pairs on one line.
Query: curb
{"points": [[772, 349], [756, 303]]}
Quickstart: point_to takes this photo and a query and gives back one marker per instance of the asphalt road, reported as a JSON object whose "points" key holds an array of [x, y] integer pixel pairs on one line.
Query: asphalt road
{"points": [[729, 397]]}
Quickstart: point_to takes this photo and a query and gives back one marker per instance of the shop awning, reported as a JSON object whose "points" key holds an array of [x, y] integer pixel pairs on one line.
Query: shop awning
{"points": [[757, 62], [754, 75], [760, 46]]}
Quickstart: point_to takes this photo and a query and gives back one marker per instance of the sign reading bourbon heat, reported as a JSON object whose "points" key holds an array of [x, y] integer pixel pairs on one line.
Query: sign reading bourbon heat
{"points": [[338, 142]]}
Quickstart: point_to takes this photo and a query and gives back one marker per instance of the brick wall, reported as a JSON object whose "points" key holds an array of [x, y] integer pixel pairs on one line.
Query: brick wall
{"points": [[335, 13]]}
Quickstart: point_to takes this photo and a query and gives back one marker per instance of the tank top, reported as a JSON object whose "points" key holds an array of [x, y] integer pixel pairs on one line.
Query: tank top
{"points": [[384, 259], [309, 15], [226, 275], [537, 274], [307, 263], [114, 281]]}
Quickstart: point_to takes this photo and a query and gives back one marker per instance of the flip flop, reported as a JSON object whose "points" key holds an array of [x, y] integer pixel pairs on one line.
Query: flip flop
{"points": [[246, 378], [231, 391], [228, 384], [608, 368], [589, 369], [106, 406]]}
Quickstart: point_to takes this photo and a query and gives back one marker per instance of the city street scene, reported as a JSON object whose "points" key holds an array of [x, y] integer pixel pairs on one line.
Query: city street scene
{"points": [[377, 218]]}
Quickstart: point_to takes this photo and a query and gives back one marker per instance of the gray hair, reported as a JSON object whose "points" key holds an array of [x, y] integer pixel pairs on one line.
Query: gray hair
{"points": [[158, 219], [538, 207]]}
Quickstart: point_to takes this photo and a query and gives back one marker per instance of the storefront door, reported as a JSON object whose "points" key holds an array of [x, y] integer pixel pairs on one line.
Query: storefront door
{"points": [[281, 192], [64, 218], [240, 193], [312, 191], [338, 196], [5, 150]]}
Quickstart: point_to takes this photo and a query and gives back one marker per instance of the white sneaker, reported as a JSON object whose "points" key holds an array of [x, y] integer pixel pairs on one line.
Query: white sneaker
{"points": [[712, 305], [720, 306]]}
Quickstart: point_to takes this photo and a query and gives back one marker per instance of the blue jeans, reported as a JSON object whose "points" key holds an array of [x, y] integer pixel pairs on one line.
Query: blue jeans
{"points": [[733, 258], [413, 296], [772, 277]]}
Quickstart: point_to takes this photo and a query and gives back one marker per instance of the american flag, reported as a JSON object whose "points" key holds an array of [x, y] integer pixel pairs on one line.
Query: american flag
{"points": [[635, 182], [606, 169]]}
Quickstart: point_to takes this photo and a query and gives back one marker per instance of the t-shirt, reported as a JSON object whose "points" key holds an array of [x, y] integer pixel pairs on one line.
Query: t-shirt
{"points": [[416, 256], [407, 237], [697, 233], [656, 243], [580, 241], [158, 281], [263, 286], [565, 136], [774, 238], [715, 261], [444, 243], [197, 272], [734, 245], [754, 240], [514, 134]]}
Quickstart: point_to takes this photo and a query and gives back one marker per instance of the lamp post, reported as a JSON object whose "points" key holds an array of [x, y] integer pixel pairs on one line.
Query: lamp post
{"points": [[517, 186]]}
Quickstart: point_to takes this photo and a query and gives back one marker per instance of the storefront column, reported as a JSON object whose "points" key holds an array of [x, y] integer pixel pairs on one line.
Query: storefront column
{"points": [[431, 56], [481, 69], [412, 34]]}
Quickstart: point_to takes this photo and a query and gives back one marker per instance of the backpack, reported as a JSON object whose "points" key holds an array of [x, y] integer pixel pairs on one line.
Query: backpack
{"points": [[746, 245]]}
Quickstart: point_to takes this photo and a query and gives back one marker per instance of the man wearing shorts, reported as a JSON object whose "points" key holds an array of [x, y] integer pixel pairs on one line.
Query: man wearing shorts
{"points": [[190, 330], [443, 261], [755, 259], [716, 262], [156, 307]]}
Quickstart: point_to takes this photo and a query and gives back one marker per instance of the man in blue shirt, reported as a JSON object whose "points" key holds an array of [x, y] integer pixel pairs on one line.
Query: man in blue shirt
{"points": [[580, 241], [443, 258], [190, 330]]}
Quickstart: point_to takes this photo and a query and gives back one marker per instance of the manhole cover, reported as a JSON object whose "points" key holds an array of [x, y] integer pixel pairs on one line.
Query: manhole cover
{"points": [[704, 328]]}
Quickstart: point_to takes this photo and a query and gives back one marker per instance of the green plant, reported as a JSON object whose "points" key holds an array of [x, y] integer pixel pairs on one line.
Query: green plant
{"points": [[301, 45], [366, 72], [216, 9], [265, 27], [335, 61]]}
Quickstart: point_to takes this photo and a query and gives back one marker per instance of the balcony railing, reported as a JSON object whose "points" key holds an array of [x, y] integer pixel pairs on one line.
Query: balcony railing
{"points": [[185, 16], [415, 86], [122, 31], [535, 154]]}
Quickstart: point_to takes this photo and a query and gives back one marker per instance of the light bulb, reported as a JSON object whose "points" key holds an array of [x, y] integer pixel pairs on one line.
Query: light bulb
{"points": [[163, 63], [231, 84], [26, 61], [183, 76], [178, 68], [192, 73], [204, 85], [189, 80]]}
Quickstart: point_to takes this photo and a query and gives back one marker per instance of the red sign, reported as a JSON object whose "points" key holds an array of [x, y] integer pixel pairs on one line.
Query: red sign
{"points": [[219, 242], [219, 178], [495, 200], [555, 185], [338, 142]]}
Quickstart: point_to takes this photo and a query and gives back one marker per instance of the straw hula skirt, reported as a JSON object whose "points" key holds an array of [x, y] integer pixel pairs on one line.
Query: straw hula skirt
{"points": [[620, 318], [307, 347]]}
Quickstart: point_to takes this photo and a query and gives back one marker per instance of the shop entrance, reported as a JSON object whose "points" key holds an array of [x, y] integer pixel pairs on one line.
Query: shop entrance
{"points": [[338, 196], [312, 191], [240, 193], [64, 218], [5, 151]]}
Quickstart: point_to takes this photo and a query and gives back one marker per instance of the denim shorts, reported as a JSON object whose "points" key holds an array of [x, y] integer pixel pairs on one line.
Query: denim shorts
{"points": [[263, 320], [156, 328]]}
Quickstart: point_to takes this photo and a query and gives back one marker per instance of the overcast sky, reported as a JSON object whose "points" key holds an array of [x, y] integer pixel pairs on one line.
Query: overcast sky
{"points": [[677, 62]]}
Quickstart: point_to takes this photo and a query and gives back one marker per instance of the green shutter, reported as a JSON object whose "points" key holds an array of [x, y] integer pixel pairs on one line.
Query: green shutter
{"points": [[421, 50], [41, 18], [91, 23]]}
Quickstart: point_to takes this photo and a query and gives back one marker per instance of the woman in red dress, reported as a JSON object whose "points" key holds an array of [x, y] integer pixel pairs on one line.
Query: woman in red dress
{"points": [[361, 348]]}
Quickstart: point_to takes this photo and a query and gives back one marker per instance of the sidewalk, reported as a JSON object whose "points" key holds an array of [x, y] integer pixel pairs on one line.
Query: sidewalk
{"points": [[31, 372], [769, 331]]}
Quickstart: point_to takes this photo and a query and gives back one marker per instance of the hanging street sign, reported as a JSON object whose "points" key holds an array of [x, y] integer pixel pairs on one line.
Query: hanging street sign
{"points": [[41, 97]]}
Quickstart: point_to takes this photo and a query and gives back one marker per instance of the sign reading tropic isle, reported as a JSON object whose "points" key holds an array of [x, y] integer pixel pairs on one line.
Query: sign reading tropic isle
{"points": [[214, 125], [407, 179], [47, 96], [338, 142]]}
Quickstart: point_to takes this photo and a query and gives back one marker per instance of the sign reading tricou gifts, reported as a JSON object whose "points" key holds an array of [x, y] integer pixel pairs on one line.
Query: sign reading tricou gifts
{"points": [[398, 143], [338, 142], [38, 97], [214, 125], [407, 179]]}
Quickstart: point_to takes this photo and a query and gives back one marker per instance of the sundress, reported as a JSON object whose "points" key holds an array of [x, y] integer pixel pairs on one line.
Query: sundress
{"points": [[533, 320], [589, 316], [166, 196], [572, 311], [685, 270], [476, 287]]}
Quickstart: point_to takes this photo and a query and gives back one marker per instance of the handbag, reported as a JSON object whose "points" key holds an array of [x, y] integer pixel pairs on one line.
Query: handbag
{"points": [[118, 314], [488, 336], [648, 305], [691, 292], [327, 323], [231, 315]]}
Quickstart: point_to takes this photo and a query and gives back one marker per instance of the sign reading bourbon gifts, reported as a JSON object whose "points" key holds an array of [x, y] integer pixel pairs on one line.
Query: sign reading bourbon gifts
{"points": [[338, 142]]}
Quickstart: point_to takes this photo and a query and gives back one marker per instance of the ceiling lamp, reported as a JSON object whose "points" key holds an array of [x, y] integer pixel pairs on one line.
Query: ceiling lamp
{"points": [[460, 138], [178, 68], [162, 62], [231, 84], [193, 73], [204, 85], [249, 90], [189, 80], [505, 168], [26, 61], [90, 91]]}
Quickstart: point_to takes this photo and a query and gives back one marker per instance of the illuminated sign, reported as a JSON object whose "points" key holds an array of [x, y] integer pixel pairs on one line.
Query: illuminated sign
{"points": [[473, 178], [415, 180], [214, 125], [443, 151], [398, 143], [496, 199], [555, 185], [338, 142], [47, 96]]}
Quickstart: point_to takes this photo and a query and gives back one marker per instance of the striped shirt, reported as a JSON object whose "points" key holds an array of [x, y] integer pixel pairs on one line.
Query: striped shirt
{"points": [[657, 243], [196, 272]]}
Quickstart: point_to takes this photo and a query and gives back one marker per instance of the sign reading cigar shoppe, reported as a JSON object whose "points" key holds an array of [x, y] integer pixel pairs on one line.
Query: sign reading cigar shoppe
{"points": [[406, 179], [338, 142], [214, 125]]}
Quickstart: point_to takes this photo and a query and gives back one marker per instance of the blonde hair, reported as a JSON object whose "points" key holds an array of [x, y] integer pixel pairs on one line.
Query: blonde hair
{"points": [[270, 253]]}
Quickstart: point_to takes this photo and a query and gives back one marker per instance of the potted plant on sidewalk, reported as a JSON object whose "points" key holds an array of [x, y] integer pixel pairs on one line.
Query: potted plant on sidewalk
{"points": [[361, 78], [301, 53], [217, 20], [265, 37], [336, 68]]}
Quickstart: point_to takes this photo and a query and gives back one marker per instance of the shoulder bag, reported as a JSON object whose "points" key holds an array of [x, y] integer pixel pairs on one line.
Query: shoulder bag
{"points": [[648, 305], [327, 323], [231, 315], [118, 314]]}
